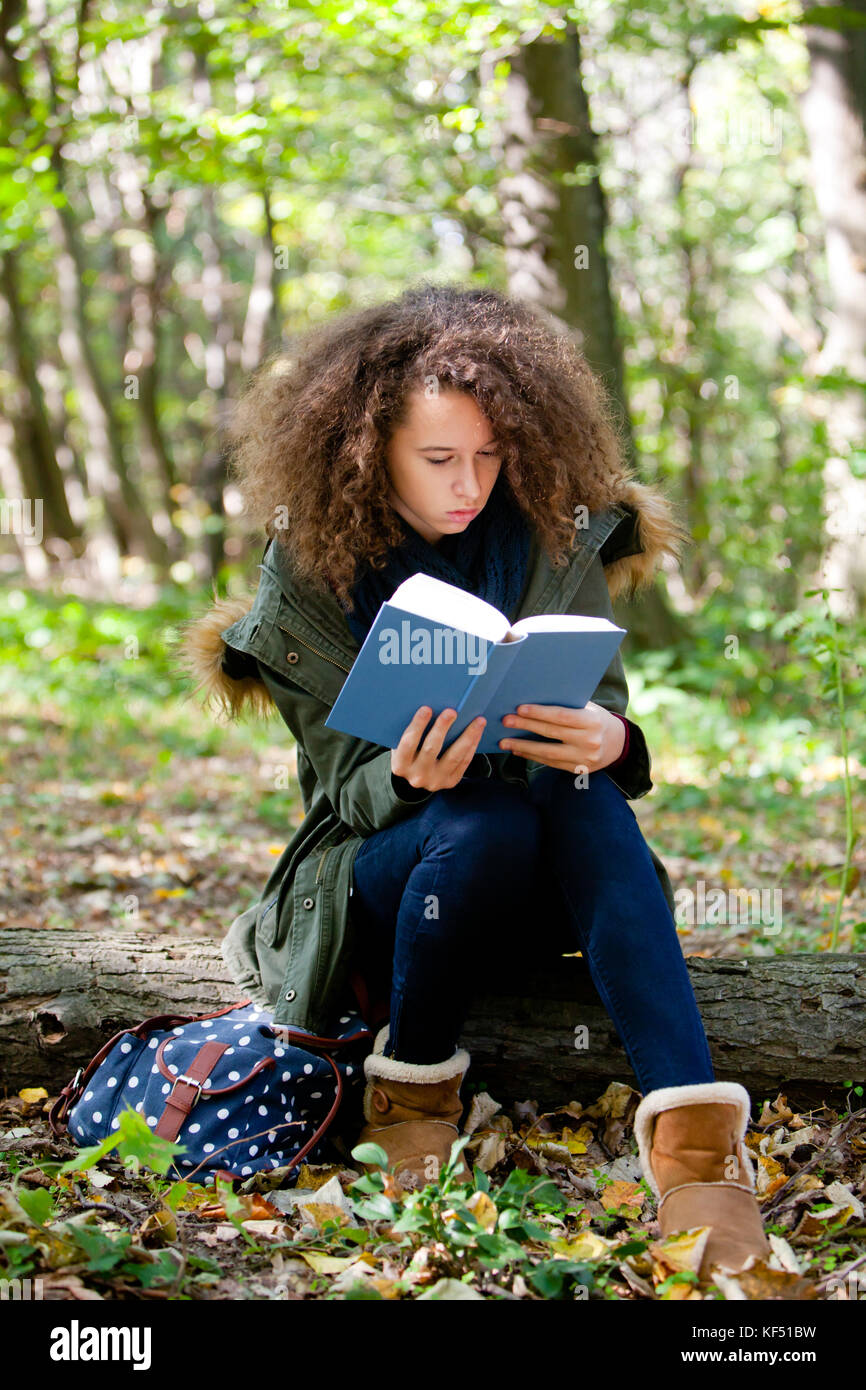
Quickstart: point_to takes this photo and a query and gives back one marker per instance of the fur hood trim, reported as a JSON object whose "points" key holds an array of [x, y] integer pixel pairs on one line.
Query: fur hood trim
{"points": [[657, 534], [202, 653]]}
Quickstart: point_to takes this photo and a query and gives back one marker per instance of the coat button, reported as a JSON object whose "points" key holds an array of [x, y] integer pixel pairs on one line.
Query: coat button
{"points": [[291, 657], [290, 996], [309, 902]]}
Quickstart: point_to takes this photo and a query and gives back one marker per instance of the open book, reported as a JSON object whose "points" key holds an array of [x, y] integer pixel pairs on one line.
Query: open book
{"points": [[435, 644]]}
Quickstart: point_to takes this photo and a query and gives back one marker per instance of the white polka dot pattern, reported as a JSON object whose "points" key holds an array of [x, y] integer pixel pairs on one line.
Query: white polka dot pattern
{"points": [[253, 1124]]}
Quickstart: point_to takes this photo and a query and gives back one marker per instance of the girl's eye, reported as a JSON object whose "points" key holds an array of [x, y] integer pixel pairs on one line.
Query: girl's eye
{"points": [[486, 454]]}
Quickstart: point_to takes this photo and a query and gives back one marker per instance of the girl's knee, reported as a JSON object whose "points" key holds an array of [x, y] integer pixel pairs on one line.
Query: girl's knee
{"points": [[590, 794], [491, 819]]}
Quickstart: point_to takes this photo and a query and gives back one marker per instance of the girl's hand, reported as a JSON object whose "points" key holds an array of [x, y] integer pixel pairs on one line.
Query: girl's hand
{"points": [[591, 738], [422, 767]]}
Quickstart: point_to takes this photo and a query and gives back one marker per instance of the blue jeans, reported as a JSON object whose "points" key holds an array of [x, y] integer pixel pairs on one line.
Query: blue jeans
{"points": [[478, 868]]}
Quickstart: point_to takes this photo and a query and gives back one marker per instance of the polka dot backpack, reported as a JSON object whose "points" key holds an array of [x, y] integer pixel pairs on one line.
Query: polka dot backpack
{"points": [[238, 1094]]}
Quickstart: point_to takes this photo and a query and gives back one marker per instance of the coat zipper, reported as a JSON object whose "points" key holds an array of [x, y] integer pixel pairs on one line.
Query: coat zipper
{"points": [[304, 643], [322, 860]]}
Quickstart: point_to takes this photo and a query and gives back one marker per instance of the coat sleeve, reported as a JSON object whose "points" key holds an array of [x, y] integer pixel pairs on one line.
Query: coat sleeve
{"points": [[355, 775], [632, 776]]}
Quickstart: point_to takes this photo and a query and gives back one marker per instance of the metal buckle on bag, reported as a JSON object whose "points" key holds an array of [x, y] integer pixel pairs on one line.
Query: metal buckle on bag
{"points": [[190, 1082], [76, 1078]]}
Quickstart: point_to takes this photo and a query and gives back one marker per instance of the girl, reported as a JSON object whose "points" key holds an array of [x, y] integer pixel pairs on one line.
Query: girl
{"points": [[454, 432]]}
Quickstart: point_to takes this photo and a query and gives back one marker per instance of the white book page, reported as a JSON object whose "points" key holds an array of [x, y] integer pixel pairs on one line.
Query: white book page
{"points": [[428, 597], [564, 622]]}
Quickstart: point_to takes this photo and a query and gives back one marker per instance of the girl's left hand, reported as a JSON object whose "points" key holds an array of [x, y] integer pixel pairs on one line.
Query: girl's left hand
{"points": [[590, 738]]}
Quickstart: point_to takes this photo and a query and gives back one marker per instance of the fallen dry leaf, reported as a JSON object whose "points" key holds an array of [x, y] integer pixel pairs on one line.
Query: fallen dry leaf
{"points": [[682, 1251], [481, 1110], [762, 1282], [491, 1150], [33, 1095], [585, 1246], [225, 1231], [313, 1176], [623, 1194], [784, 1254], [159, 1228], [255, 1208], [333, 1264], [776, 1113], [322, 1212], [271, 1230]]}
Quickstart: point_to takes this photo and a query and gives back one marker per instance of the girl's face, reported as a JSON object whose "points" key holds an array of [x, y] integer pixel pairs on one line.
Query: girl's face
{"points": [[442, 463]]}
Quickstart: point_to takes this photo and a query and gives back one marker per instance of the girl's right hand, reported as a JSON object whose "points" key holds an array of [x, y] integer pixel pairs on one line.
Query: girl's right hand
{"points": [[422, 767]]}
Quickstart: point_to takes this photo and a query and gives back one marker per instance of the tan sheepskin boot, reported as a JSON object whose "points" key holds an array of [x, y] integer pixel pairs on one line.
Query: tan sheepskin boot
{"points": [[690, 1140], [412, 1110]]}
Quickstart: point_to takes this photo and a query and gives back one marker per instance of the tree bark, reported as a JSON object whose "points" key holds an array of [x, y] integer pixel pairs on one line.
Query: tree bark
{"points": [[554, 215], [793, 1022], [834, 115], [38, 458]]}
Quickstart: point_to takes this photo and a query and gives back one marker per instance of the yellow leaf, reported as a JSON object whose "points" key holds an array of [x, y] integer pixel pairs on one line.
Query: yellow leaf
{"points": [[614, 1103], [586, 1246], [806, 1182], [483, 1209], [160, 1226], [683, 1251], [577, 1140], [170, 893], [311, 1176], [770, 1175], [32, 1094], [328, 1264]]}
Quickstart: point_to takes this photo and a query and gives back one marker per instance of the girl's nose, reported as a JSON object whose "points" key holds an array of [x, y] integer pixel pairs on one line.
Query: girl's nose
{"points": [[466, 486]]}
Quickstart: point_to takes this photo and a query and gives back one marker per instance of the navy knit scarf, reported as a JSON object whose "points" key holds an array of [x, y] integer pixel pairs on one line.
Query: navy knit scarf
{"points": [[489, 558]]}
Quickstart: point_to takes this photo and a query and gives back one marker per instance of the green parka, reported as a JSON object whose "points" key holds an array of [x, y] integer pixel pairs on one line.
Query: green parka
{"points": [[291, 951]]}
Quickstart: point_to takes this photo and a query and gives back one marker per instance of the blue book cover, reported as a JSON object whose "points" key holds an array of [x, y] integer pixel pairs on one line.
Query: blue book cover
{"points": [[435, 644]]}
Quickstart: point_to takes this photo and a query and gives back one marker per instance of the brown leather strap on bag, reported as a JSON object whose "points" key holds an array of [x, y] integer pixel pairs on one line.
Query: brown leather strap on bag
{"points": [[73, 1089], [187, 1089]]}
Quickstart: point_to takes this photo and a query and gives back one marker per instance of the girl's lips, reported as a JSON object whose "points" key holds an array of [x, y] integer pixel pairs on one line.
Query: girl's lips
{"points": [[463, 516]]}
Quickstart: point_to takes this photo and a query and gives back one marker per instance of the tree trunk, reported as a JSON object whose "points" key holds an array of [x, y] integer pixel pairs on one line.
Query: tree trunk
{"points": [[38, 460], [791, 1022], [834, 115], [554, 215]]}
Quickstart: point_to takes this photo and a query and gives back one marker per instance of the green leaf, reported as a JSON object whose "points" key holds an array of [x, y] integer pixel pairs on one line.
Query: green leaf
{"points": [[550, 1277], [138, 1145], [103, 1251], [370, 1153], [38, 1204]]}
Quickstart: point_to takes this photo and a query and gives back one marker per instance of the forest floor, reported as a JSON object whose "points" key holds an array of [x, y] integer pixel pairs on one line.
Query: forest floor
{"points": [[120, 803]]}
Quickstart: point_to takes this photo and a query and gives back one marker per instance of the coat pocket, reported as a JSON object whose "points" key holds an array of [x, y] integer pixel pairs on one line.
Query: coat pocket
{"points": [[266, 925]]}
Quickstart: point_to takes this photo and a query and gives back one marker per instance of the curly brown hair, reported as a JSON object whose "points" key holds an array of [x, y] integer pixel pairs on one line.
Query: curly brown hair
{"points": [[308, 437]]}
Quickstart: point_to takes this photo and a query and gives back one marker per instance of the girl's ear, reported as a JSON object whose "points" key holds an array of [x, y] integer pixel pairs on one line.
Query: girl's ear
{"points": [[202, 650]]}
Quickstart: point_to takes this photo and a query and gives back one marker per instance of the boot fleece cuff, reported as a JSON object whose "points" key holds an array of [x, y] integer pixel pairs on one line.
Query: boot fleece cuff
{"points": [[671, 1097], [390, 1068]]}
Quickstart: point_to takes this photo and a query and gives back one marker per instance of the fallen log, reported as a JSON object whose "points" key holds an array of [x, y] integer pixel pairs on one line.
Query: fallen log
{"points": [[795, 1022]]}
